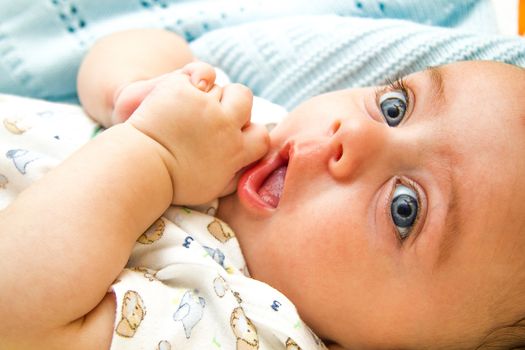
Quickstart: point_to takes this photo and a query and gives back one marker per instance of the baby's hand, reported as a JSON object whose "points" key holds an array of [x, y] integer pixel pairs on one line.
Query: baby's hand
{"points": [[129, 96], [207, 134]]}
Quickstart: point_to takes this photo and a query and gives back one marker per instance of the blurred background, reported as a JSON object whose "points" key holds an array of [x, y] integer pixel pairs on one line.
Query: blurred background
{"points": [[507, 15], [284, 50]]}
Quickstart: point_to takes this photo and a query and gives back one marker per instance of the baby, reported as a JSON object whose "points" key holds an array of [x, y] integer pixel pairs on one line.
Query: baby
{"points": [[390, 217]]}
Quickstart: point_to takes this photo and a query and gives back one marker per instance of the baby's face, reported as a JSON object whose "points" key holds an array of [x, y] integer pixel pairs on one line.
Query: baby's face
{"points": [[400, 219]]}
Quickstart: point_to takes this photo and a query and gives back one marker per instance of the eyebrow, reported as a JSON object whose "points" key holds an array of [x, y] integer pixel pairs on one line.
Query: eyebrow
{"points": [[437, 85], [453, 222]]}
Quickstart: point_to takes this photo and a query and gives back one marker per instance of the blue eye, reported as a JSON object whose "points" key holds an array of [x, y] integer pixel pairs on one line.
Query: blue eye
{"points": [[404, 210], [393, 106]]}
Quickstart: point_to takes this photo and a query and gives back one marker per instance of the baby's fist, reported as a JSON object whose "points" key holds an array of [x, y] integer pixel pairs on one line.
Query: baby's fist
{"points": [[129, 96], [207, 135]]}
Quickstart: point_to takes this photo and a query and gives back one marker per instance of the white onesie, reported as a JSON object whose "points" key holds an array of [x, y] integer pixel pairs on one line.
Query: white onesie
{"points": [[186, 285]]}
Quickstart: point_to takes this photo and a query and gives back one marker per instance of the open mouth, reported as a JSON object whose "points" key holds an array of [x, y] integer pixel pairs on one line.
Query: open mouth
{"points": [[262, 185], [272, 188]]}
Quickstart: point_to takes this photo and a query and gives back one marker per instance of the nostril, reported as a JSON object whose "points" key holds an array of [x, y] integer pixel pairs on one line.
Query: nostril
{"points": [[338, 153], [335, 126], [337, 146]]}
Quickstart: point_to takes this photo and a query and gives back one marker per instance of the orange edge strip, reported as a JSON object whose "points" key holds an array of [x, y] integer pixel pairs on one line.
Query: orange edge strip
{"points": [[521, 17]]}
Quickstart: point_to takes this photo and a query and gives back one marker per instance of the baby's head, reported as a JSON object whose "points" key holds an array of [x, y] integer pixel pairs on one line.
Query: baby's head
{"points": [[396, 217]]}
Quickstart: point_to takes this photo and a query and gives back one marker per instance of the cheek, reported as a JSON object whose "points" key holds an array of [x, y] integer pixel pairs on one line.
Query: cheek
{"points": [[312, 245], [328, 263], [319, 227], [324, 258]]}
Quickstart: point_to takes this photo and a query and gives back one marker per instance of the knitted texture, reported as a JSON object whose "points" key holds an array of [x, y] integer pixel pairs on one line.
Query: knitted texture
{"points": [[42, 42], [287, 61]]}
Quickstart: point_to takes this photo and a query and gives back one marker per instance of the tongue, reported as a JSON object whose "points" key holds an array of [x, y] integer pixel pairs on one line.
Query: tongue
{"points": [[271, 190]]}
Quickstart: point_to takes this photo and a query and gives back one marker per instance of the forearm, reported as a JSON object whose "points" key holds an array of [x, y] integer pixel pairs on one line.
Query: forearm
{"points": [[67, 237], [124, 57]]}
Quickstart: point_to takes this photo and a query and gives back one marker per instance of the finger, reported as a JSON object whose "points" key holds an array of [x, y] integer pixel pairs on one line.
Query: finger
{"points": [[237, 101], [164, 92], [232, 185], [128, 97], [202, 75], [216, 92], [256, 143]]}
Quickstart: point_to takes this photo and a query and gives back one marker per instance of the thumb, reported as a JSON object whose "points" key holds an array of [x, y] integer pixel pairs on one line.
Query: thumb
{"points": [[256, 143], [231, 187], [128, 97]]}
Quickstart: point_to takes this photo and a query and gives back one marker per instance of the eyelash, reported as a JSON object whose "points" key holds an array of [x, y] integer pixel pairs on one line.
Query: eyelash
{"points": [[397, 84]]}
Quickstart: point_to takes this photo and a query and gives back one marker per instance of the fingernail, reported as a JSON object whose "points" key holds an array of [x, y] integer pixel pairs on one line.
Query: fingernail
{"points": [[202, 84]]}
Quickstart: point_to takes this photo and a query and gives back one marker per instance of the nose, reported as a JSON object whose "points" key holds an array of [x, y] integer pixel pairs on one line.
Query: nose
{"points": [[356, 144]]}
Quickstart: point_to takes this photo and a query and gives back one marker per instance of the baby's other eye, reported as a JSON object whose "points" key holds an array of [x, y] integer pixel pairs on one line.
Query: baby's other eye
{"points": [[393, 106], [404, 210]]}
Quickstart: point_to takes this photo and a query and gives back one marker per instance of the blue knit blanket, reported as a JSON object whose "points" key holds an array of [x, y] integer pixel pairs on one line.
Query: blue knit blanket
{"points": [[284, 50], [296, 58]]}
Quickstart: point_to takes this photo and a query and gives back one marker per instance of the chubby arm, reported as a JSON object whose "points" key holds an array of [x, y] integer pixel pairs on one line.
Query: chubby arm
{"points": [[66, 238], [124, 57]]}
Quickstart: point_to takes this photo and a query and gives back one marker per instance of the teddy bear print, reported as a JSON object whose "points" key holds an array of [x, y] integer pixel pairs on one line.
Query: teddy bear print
{"points": [[21, 158], [16, 126], [132, 314], [190, 311], [211, 211], [291, 345], [220, 230], [244, 330], [317, 340], [153, 233], [220, 286], [237, 297], [148, 273], [3, 181], [163, 345], [216, 255]]}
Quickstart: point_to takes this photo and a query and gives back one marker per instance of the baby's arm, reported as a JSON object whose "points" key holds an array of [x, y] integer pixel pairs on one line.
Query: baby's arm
{"points": [[67, 237], [122, 58]]}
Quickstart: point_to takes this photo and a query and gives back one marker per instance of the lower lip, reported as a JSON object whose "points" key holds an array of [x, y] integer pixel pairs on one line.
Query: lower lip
{"points": [[252, 180]]}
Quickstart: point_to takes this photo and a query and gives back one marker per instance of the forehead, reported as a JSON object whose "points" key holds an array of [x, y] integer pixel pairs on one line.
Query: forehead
{"points": [[472, 102], [482, 128], [481, 125], [503, 83]]}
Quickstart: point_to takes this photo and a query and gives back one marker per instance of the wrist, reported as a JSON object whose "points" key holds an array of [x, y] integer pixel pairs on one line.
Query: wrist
{"points": [[148, 156]]}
